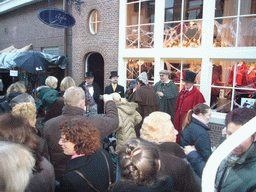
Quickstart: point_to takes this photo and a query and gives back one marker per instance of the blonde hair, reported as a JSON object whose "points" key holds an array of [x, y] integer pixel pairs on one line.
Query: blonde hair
{"points": [[16, 165], [153, 127], [73, 96], [66, 83], [51, 81], [17, 87], [27, 110]]}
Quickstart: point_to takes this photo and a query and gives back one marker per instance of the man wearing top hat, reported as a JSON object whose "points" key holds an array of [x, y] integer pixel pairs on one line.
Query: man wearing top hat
{"points": [[188, 97], [92, 93], [167, 93], [114, 87]]}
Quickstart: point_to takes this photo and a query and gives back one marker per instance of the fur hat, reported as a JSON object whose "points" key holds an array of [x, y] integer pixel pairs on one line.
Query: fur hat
{"points": [[153, 127], [143, 77]]}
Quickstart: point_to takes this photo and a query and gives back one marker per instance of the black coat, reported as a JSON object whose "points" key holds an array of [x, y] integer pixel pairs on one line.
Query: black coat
{"points": [[196, 133], [94, 169], [119, 89], [96, 95], [165, 185]]}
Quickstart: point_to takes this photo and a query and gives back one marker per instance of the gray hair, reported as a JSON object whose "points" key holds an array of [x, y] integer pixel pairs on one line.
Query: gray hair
{"points": [[23, 98], [73, 96], [16, 165], [51, 81], [66, 83]]}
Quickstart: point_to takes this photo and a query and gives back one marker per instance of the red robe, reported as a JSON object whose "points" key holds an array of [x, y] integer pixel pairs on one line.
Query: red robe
{"points": [[184, 103]]}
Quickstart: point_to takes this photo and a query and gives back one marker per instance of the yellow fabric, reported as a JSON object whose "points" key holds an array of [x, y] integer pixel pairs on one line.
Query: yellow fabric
{"points": [[114, 87]]}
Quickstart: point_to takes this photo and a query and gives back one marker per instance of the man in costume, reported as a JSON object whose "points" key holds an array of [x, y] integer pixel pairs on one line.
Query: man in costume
{"points": [[167, 93], [188, 97], [92, 94], [114, 87]]}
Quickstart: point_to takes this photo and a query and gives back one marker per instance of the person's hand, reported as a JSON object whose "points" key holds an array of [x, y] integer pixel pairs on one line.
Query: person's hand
{"points": [[160, 94], [189, 148], [107, 97]]}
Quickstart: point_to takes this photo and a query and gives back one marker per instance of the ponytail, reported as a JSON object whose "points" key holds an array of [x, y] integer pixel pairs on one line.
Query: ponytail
{"points": [[187, 119]]}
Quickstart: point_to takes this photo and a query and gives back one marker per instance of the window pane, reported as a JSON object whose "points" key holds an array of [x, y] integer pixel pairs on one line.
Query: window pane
{"points": [[248, 7], [128, 1], [232, 81], [133, 14], [244, 98], [226, 8], [225, 32], [136, 66], [94, 16], [147, 36], [177, 70], [172, 35], [132, 37], [173, 10], [193, 9], [147, 14], [192, 34], [247, 32]]}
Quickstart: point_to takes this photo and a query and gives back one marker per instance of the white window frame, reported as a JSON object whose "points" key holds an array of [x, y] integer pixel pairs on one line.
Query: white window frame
{"points": [[96, 22]]}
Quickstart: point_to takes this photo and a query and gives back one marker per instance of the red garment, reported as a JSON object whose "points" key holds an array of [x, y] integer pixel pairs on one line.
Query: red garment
{"points": [[185, 102], [239, 74]]}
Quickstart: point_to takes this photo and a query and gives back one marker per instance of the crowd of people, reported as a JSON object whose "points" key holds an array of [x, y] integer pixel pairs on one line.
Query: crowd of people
{"points": [[159, 137]]}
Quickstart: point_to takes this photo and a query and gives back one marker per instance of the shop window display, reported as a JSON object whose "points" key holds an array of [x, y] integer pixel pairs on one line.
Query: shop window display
{"points": [[234, 24], [136, 66], [183, 23], [140, 24], [233, 85], [178, 67]]}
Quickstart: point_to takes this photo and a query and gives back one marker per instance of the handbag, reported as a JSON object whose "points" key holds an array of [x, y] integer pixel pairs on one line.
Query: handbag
{"points": [[89, 183]]}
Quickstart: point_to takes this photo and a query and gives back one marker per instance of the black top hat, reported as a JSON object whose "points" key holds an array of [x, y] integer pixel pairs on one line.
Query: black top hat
{"points": [[189, 77], [89, 74], [113, 74]]}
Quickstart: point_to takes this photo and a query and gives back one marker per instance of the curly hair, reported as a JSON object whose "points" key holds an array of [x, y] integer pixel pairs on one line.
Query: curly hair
{"points": [[138, 160], [83, 134], [17, 129]]}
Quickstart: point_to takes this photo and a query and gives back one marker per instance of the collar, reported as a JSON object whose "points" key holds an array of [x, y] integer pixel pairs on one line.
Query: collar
{"points": [[72, 110], [190, 88], [75, 156]]}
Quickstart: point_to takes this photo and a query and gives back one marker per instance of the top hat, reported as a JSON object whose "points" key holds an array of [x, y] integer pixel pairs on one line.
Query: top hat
{"points": [[164, 72], [89, 74], [189, 77], [113, 74]]}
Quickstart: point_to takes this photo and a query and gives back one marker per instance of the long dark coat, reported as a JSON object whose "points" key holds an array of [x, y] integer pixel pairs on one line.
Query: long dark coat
{"points": [[185, 102], [167, 103], [146, 98]]}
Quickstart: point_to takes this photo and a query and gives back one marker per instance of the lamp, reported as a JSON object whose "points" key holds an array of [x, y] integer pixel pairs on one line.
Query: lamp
{"points": [[77, 4]]}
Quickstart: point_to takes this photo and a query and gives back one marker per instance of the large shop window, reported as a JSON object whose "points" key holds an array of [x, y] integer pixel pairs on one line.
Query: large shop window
{"points": [[233, 85], [140, 24], [183, 23], [177, 69], [234, 24], [136, 66]]}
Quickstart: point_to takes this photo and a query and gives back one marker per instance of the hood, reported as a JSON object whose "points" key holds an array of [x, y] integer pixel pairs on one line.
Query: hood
{"points": [[127, 107]]}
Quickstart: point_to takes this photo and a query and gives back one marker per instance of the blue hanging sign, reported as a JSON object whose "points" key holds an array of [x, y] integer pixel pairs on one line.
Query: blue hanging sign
{"points": [[56, 18]]}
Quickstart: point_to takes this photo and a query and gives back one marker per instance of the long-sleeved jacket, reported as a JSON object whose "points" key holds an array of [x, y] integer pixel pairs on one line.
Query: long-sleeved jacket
{"points": [[106, 124]]}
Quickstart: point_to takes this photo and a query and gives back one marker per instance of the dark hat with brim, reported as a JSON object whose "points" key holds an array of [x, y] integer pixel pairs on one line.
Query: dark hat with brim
{"points": [[89, 74], [113, 74], [189, 77]]}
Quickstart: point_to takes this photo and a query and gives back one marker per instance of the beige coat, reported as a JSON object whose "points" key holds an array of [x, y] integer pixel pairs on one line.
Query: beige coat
{"points": [[128, 118]]}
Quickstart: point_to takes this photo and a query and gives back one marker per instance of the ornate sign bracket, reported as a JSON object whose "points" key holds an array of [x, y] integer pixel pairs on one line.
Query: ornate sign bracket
{"points": [[77, 4]]}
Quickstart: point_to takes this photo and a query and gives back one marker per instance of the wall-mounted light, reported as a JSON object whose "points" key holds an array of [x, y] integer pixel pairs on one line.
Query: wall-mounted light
{"points": [[77, 4]]}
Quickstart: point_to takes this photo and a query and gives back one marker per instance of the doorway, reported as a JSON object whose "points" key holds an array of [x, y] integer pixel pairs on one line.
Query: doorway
{"points": [[94, 62]]}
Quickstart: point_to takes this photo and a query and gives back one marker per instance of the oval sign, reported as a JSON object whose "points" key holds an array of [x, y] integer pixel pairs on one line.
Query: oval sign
{"points": [[56, 18]]}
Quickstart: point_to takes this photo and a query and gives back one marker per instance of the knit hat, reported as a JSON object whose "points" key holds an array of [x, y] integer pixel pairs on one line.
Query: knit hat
{"points": [[143, 77]]}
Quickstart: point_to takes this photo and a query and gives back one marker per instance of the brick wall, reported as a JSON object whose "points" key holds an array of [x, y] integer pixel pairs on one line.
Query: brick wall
{"points": [[104, 42], [215, 133]]}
